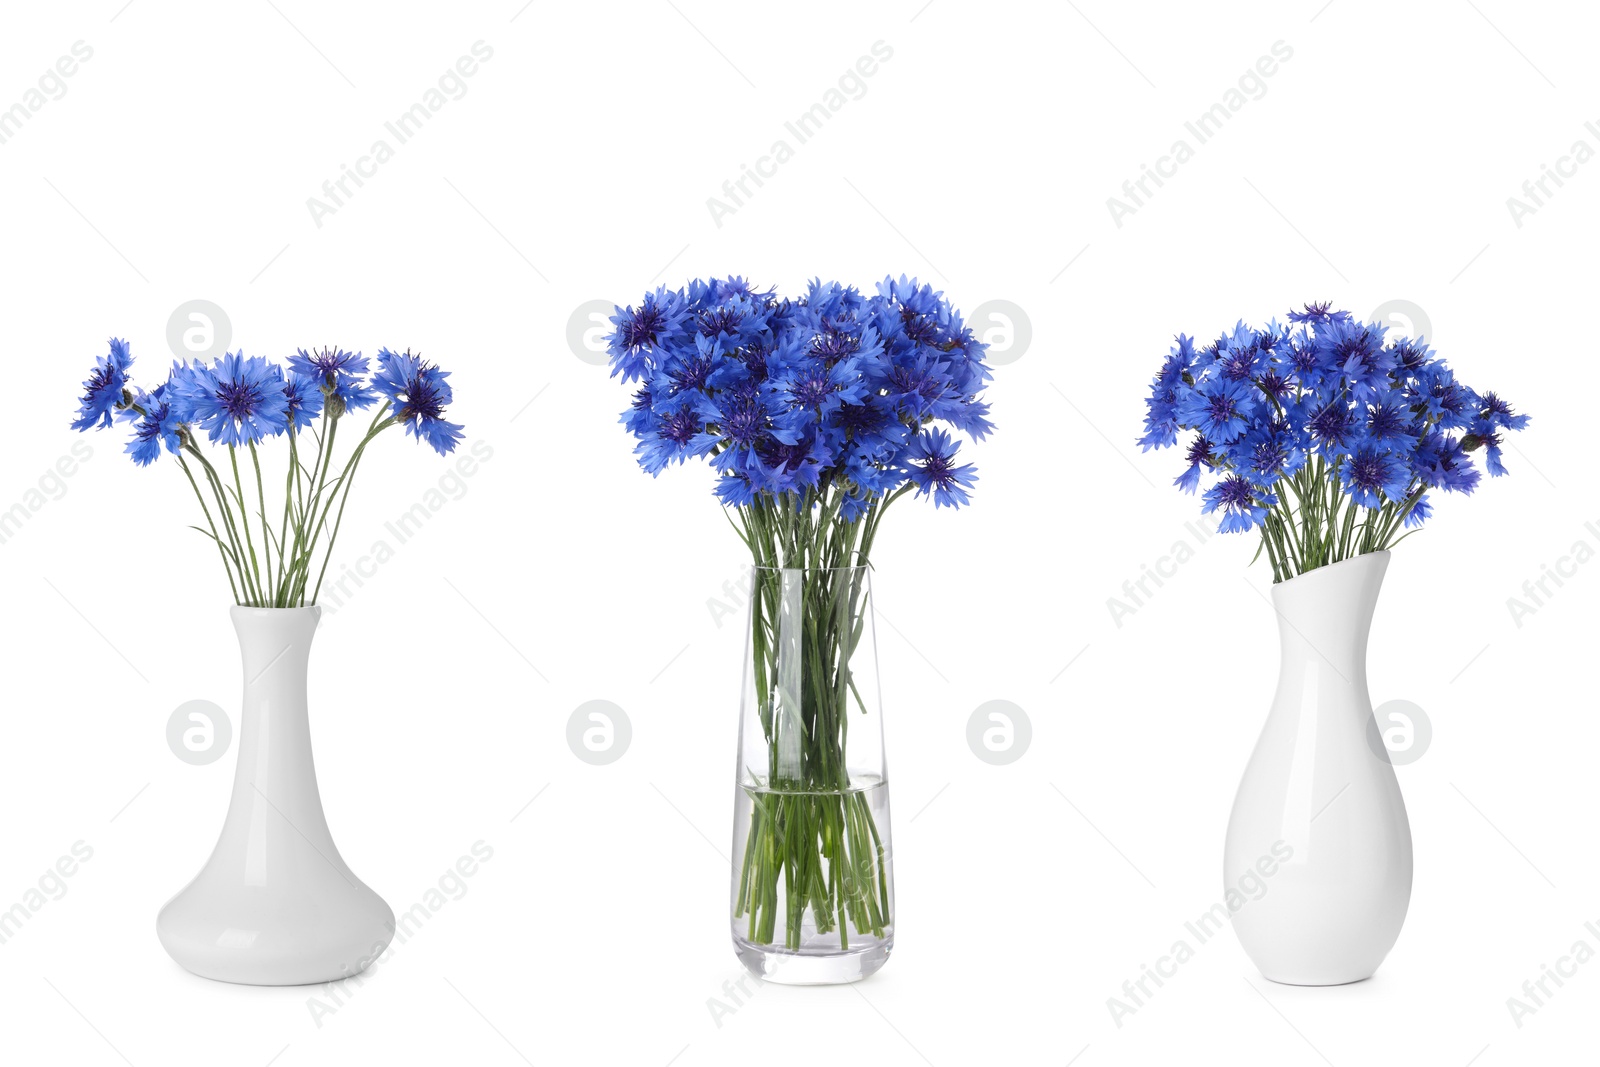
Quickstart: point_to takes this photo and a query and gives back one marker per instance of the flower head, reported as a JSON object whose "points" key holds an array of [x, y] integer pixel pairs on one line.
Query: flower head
{"points": [[1373, 477], [237, 400], [305, 400], [417, 393], [930, 466], [641, 331], [155, 426], [1243, 506], [326, 363], [103, 390], [1219, 408]]}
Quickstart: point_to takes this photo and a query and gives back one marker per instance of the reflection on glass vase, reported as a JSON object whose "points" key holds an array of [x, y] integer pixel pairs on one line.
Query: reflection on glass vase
{"points": [[813, 874]]}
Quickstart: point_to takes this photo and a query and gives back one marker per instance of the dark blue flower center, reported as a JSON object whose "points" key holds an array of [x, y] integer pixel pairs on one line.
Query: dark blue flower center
{"points": [[680, 427], [421, 399], [812, 389], [642, 327], [919, 328], [239, 399], [1222, 408], [1236, 365], [744, 423], [1367, 472], [720, 320], [1235, 492], [1331, 425], [1267, 456]]}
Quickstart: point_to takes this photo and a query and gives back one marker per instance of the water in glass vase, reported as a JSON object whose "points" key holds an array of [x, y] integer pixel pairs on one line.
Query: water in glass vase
{"points": [[813, 893]]}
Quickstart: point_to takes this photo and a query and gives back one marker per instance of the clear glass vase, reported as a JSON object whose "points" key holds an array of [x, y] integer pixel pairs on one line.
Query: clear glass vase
{"points": [[813, 873]]}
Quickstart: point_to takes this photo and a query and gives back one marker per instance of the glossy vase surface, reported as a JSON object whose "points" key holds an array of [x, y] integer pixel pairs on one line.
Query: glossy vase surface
{"points": [[275, 904], [1318, 856]]}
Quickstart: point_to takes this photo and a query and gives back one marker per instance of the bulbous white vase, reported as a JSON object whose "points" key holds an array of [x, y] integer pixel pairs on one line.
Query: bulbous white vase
{"points": [[1317, 792], [275, 904]]}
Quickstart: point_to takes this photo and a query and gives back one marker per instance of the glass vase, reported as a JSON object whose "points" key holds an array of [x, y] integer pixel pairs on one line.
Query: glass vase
{"points": [[813, 874]]}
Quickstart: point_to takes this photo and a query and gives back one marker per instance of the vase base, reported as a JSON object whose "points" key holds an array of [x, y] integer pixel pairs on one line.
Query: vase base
{"points": [[785, 967], [257, 938], [1314, 981]]}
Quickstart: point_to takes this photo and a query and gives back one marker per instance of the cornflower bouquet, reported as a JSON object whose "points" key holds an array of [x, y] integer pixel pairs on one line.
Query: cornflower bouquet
{"points": [[1323, 436], [239, 402], [817, 414]]}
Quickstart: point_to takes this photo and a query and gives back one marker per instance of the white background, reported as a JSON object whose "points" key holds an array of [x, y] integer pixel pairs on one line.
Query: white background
{"points": [[576, 167]]}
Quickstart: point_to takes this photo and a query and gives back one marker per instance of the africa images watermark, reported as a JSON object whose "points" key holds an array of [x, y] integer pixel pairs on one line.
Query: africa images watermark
{"points": [[450, 486], [451, 885], [51, 85], [51, 485], [1538, 190], [451, 85], [1252, 85], [1250, 886], [1137, 592], [1536, 592], [52, 885], [851, 85], [1536, 992]]}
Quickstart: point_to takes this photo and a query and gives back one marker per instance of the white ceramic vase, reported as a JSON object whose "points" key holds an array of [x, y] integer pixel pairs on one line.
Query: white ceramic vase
{"points": [[275, 904], [1318, 793]]}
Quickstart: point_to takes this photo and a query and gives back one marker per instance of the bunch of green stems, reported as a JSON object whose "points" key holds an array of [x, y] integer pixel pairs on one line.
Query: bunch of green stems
{"points": [[813, 843], [267, 567], [1314, 522]]}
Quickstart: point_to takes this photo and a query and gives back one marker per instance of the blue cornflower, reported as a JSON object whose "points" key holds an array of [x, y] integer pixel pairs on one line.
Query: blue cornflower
{"points": [[417, 393], [1440, 462], [674, 437], [1486, 437], [1220, 409], [1411, 354], [929, 465], [1309, 362], [1161, 406], [1446, 402], [1200, 454], [1331, 427], [104, 389], [1239, 355], [155, 427], [1316, 313], [1371, 475], [305, 400], [1358, 350], [1268, 452], [1390, 420], [340, 376], [324, 365], [1243, 506], [1498, 414], [1421, 511], [641, 331], [237, 400]]}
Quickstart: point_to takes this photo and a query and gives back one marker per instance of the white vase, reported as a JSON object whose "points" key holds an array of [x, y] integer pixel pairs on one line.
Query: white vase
{"points": [[275, 904], [1318, 820]]}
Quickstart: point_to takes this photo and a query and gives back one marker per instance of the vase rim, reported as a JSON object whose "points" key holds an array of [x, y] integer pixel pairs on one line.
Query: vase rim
{"points": [[1380, 554]]}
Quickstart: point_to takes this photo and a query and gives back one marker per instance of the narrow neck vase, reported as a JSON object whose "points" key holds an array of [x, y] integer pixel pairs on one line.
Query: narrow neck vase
{"points": [[813, 878], [275, 904], [1318, 857]]}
